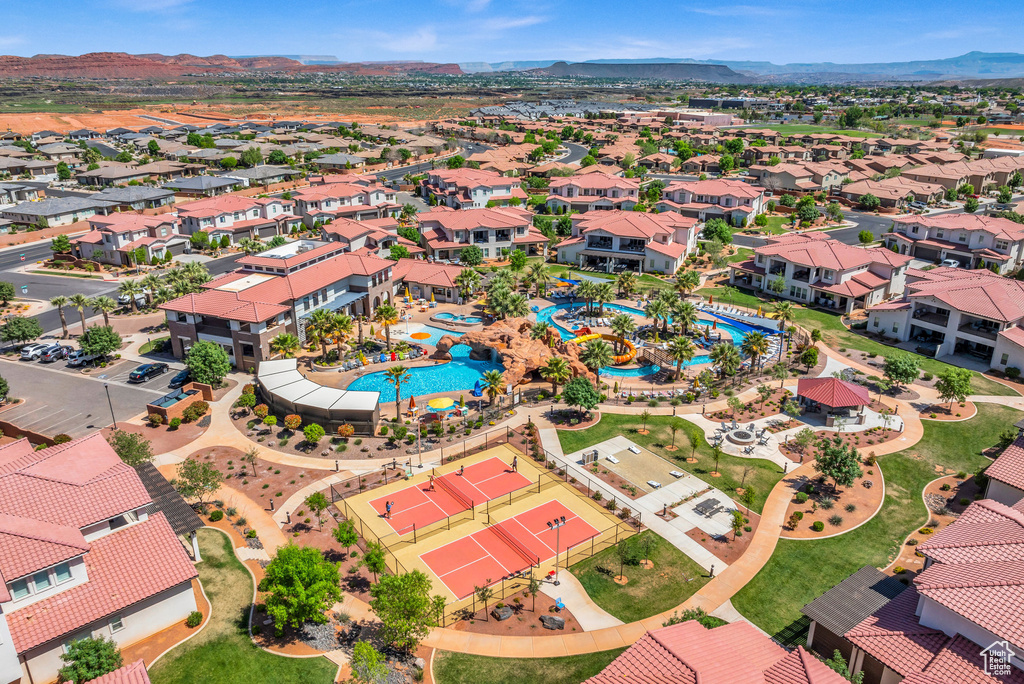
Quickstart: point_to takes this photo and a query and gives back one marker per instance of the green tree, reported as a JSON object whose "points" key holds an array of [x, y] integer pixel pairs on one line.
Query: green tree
{"points": [[313, 433], [971, 205], [681, 350], [838, 664], [726, 358], [346, 535], [197, 479], [368, 664], [277, 157], [318, 503], [301, 585], [597, 355], [587, 160], [398, 252], [556, 371], [20, 330], [954, 384], [398, 376], [285, 345], [200, 240], [89, 658], [132, 448], [493, 384], [866, 237], [386, 315], [1005, 195], [404, 607], [517, 260], [374, 559], [755, 345], [63, 171], [99, 340], [471, 255], [252, 157], [154, 147], [809, 357], [208, 362], [61, 244], [581, 394], [901, 369], [717, 229], [838, 462], [870, 202], [228, 163]]}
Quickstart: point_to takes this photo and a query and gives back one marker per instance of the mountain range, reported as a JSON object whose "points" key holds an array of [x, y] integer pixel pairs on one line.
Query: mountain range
{"points": [[664, 71]]}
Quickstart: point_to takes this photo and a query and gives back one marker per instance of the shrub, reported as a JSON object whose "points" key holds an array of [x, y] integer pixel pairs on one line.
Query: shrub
{"points": [[261, 411], [835, 520], [251, 534], [799, 515], [1012, 372], [155, 419], [827, 502], [57, 439], [801, 497], [964, 501], [195, 411], [231, 511], [818, 526], [175, 423], [850, 508], [292, 421], [945, 487], [217, 515], [899, 570], [194, 619], [927, 377], [249, 389]]}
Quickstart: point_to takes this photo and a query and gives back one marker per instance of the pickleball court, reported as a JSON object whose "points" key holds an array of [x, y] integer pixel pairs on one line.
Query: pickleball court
{"points": [[416, 505], [506, 548]]}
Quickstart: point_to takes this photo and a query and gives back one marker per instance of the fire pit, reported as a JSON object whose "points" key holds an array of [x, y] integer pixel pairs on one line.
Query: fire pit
{"points": [[741, 436]]}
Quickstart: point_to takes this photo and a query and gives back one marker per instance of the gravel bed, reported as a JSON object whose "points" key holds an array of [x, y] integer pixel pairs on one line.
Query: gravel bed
{"points": [[321, 637]]}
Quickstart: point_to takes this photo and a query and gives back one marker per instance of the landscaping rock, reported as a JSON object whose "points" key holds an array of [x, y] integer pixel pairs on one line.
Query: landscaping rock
{"points": [[420, 663], [321, 637], [501, 614], [552, 622]]}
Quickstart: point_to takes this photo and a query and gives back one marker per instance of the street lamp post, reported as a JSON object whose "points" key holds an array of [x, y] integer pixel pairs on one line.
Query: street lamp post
{"points": [[110, 404], [557, 525]]}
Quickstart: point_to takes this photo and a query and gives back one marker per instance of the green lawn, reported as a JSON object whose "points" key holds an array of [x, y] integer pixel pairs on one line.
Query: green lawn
{"points": [[222, 652], [835, 335], [148, 346], [800, 571], [742, 254], [673, 579], [461, 668], [762, 475], [67, 274]]}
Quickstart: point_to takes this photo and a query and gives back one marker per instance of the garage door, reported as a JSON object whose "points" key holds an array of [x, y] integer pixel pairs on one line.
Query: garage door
{"points": [[926, 254]]}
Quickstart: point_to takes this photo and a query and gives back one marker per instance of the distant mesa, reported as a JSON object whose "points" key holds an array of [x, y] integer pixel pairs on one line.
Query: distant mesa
{"points": [[706, 73]]}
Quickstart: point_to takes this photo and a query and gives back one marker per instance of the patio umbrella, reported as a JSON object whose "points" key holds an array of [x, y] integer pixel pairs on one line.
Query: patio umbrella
{"points": [[696, 382], [711, 299], [431, 296], [407, 293], [441, 403], [412, 405], [759, 311], [714, 324]]}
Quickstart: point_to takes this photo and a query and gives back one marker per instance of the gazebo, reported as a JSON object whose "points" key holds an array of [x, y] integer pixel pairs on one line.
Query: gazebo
{"points": [[841, 399]]}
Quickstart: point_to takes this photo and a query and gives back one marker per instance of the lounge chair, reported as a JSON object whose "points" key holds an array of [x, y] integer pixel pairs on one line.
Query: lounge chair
{"points": [[611, 459], [383, 358], [654, 484]]}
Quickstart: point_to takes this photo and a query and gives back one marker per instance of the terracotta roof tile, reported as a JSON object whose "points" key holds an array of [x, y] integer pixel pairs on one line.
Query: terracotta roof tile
{"points": [[989, 594], [800, 667], [894, 636], [135, 673], [979, 292], [827, 253], [960, 661], [27, 545], [833, 392], [986, 531]]}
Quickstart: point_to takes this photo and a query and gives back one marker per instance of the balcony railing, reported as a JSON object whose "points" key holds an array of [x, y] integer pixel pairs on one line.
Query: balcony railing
{"points": [[931, 317], [979, 330]]}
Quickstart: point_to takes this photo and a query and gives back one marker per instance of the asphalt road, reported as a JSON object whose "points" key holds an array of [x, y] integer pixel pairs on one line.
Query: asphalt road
{"points": [[576, 153], [468, 148], [58, 399]]}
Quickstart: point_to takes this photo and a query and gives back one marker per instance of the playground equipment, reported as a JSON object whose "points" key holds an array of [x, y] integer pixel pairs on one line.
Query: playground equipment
{"points": [[617, 360]]}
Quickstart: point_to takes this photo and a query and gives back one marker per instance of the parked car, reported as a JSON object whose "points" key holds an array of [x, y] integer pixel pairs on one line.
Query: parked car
{"points": [[60, 351], [31, 352], [918, 205], [79, 358], [950, 263], [180, 378], [140, 299], [147, 371]]}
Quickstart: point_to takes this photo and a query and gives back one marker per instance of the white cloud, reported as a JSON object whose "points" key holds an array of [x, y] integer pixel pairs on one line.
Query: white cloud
{"points": [[495, 24]]}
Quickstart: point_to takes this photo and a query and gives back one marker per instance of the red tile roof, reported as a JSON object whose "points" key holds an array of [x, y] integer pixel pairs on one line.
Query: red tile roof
{"points": [[800, 667], [419, 271], [124, 568], [135, 673], [979, 292], [214, 206], [894, 636], [1009, 466], [226, 305], [833, 392], [987, 531], [27, 545], [999, 227], [294, 260], [716, 188], [634, 224], [989, 594], [597, 181], [1014, 334], [821, 252], [470, 219], [960, 661]]}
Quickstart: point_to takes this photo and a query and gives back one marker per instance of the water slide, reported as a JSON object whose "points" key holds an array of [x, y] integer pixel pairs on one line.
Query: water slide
{"points": [[617, 360]]}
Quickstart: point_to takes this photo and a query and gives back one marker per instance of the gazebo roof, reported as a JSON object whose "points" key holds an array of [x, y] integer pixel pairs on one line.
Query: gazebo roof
{"points": [[833, 392]]}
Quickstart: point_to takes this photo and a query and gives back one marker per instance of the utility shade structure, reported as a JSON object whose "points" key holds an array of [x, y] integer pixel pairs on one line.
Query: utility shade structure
{"points": [[286, 390], [844, 400]]}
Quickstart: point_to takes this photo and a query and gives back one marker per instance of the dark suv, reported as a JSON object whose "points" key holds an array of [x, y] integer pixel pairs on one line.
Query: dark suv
{"points": [[147, 371]]}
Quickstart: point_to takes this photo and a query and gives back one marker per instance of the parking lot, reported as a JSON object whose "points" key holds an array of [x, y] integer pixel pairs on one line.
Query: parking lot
{"points": [[58, 399]]}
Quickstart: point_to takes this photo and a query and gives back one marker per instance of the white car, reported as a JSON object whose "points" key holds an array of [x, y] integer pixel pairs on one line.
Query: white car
{"points": [[31, 352], [950, 263]]}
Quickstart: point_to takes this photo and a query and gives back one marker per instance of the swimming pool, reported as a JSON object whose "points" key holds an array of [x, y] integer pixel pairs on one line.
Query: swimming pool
{"points": [[547, 314], [398, 333], [446, 316], [459, 375], [644, 371]]}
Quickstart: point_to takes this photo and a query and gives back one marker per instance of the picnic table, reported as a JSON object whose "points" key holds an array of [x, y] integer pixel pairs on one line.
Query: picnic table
{"points": [[707, 506]]}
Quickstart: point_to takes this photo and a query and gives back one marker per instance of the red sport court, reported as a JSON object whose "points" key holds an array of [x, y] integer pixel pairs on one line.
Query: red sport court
{"points": [[480, 482], [486, 556]]}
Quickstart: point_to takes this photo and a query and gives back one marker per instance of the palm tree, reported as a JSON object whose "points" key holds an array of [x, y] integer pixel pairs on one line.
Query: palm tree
{"points": [[537, 275], [755, 345], [387, 316], [658, 310], [681, 350], [623, 325], [284, 344], [359, 322], [603, 293], [784, 314], [150, 282], [780, 373], [318, 329], [687, 282], [340, 326], [627, 283], [684, 314], [597, 355], [162, 295], [103, 305], [540, 331], [197, 273], [556, 371], [60, 301], [468, 281], [131, 289], [398, 375], [494, 384], [587, 289], [725, 357], [515, 306], [80, 302]]}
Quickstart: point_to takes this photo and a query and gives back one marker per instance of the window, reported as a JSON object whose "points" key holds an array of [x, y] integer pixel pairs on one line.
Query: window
{"points": [[42, 580], [1004, 359], [913, 230], [874, 323], [963, 237], [1002, 244], [117, 522], [827, 274], [62, 572], [895, 327], [19, 589], [116, 624], [247, 350], [939, 233]]}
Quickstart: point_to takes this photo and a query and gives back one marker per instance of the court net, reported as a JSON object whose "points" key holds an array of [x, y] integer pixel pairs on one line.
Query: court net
{"points": [[455, 493], [514, 544]]}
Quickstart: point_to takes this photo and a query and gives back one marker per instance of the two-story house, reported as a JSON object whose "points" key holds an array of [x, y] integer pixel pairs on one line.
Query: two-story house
{"points": [[357, 201], [446, 232], [371, 236], [892, 193], [617, 241], [471, 188], [955, 311], [116, 239], [815, 269], [592, 191], [731, 200], [275, 292], [239, 217], [974, 240], [83, 553], [808, 177]]}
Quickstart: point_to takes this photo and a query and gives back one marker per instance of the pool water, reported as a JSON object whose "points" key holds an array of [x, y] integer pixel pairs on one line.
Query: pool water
{"points": [[459, 375], [545, 315], [398, 333], [643, 371], [446, 316]]}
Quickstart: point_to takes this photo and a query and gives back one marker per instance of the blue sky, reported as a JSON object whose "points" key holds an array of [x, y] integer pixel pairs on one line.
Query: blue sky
{"points": [[494, 30]]}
